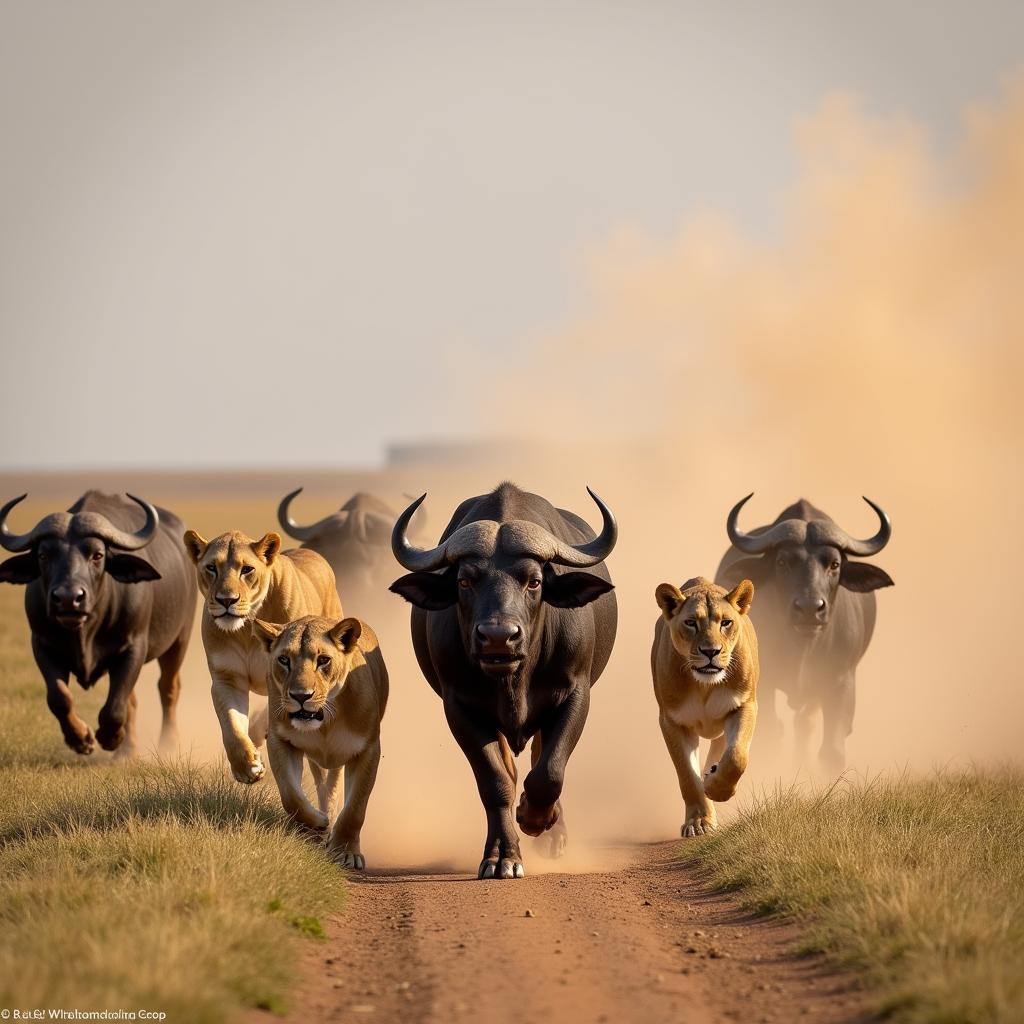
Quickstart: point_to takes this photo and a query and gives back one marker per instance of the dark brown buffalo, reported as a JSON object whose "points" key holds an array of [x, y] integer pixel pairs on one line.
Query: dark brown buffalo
{"points": [[97, 608], [512, 637], [355, 540], [814, 615]]}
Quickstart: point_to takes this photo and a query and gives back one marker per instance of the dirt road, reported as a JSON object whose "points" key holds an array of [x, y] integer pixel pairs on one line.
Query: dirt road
{"points": [[642, 941]]}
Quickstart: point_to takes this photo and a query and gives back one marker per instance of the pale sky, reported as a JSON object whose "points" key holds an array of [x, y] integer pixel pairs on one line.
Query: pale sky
{"points": [[249, 233]]}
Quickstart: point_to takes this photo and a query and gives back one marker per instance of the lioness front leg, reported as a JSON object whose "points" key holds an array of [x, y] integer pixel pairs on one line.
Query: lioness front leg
{"points": [[683, 747], [286, 762], [721, 779], [231, 702], [360, 775]]}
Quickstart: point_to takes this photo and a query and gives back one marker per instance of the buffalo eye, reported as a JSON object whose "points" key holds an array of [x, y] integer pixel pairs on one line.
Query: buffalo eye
{"points": [[96, 556], [283, 660], [323, 661], [835, 566], [726, 623], [246, 570], [464, 583], [533, 584]]}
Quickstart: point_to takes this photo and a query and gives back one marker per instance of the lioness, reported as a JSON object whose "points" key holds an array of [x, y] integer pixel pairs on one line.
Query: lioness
{"points": [[704, 662], [238, 577], [327, 690]]}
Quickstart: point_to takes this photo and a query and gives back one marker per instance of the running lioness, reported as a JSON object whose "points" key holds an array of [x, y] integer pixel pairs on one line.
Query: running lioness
{"points": [[704, 663]]}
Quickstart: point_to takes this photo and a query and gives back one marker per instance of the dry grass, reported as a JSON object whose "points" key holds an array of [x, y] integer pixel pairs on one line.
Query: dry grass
{"points": [[919, 883], [164, 886]]}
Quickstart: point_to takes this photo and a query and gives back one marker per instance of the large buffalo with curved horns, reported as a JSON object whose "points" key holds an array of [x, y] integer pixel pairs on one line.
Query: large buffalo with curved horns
{"points": [[815, 615], [96, 607], [512, 635], [355, 540]]}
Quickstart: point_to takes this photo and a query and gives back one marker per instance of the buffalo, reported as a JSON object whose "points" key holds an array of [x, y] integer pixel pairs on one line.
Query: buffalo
{"points": [[95, 607], [815, 616], [355, 540], [512, 636]]}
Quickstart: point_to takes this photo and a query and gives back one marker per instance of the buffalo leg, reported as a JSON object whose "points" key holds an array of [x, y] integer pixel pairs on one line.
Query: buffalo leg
{"points": [[721, 778], [286, 761], [113, 721], [231, 702], [360, 775], [77, 735], [169, 686], [684, 749], [482, 747], [129, 746], [552, 843], [538, 808], [839, 700]]}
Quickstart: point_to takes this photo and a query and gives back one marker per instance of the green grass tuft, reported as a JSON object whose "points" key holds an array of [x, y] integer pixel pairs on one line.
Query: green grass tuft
{"points": [[920, 883]]}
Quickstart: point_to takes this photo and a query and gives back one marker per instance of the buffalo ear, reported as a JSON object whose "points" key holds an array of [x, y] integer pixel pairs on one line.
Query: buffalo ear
{"points": [[756, 568], [861, 577], [130, 569], [428, 590], [195, 545], [267, 633], [267, 547], [741, 596], [20, 569], [669, 599], [346, 634], [572, 589]]}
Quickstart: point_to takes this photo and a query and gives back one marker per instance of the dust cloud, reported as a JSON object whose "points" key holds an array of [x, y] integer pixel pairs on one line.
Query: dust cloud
{"points": [[872, 347]]}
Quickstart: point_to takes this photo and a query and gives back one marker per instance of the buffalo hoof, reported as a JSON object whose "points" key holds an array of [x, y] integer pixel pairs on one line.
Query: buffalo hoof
{"points": [[82, 744], [110, 738], [534, 821], [504, 868], [251, 773]]}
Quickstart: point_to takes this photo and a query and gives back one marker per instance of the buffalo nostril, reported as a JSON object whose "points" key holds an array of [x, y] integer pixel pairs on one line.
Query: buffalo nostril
{"points": [[79, 598], [300, 698]]}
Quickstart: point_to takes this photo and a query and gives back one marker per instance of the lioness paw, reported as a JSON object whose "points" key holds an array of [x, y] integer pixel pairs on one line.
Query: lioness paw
{"points": [[697, 824], [252, 771]]}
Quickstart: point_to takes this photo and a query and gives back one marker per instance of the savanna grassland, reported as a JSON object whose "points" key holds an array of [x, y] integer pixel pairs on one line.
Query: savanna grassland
{"points": [[147, 885], [917, 884]]}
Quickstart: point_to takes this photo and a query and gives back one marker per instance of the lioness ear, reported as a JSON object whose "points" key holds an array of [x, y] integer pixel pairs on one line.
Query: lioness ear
{"points": [[669, 599], [267, 633], [346, 634], [861, 577], [741, 596], [267, 547], [194, 545]]}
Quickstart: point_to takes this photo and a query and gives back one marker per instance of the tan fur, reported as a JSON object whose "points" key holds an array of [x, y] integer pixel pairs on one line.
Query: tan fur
{"points": [[722, 708], [341, 666], [279, 585]]}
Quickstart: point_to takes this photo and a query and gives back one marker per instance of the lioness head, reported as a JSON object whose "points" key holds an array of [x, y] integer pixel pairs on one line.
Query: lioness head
{"points": [[234, 574], [310, 659], [703, 623]]}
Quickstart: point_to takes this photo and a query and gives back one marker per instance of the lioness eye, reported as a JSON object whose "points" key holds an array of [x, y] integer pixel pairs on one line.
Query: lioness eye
{"points": [[246, 570], [212, 570], [323, 661], [692, 623], [283, 660], [726, 623]]}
